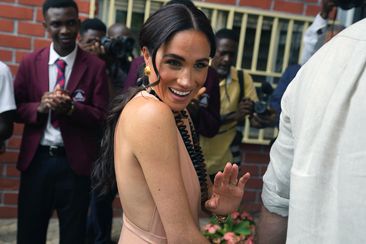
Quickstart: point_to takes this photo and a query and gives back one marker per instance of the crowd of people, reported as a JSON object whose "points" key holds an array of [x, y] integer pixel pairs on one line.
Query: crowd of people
{"points": [[101, 120]]}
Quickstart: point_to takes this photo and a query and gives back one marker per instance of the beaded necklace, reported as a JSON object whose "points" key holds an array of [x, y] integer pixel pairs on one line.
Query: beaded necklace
{"points": [[194, 149]]}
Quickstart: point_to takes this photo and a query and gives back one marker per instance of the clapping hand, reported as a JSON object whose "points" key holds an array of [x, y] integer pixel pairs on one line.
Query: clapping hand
{"points": [[62, 100], [227, 190]]}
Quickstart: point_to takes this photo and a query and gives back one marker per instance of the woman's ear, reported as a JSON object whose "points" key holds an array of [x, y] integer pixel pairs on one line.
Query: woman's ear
{"points": [[146, 55]]}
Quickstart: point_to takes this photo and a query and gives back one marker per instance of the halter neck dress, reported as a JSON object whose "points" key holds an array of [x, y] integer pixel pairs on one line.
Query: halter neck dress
{"points": [[133, 234]]}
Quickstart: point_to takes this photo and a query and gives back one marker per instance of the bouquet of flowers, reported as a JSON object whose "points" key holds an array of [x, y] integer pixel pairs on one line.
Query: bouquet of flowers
{"points": [[238, 228]]}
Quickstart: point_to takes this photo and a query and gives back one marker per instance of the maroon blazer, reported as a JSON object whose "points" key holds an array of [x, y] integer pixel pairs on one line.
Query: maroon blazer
{"points": [[80, 131]]}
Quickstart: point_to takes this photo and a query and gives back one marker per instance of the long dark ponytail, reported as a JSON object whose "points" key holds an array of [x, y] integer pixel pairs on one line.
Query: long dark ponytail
{"points": [[157, 30]]}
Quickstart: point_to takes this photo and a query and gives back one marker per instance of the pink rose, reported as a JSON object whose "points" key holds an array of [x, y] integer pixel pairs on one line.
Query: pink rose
{"points": [[231, 238], [210, 228], [235, 215]]}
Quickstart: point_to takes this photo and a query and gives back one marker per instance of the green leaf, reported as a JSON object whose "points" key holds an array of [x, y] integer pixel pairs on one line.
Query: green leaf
{"points": [[242, 228]]}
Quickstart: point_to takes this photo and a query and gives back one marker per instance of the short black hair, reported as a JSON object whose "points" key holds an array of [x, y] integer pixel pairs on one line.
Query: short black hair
{"points": [[226, 34], [59, 4], [92, 24]]}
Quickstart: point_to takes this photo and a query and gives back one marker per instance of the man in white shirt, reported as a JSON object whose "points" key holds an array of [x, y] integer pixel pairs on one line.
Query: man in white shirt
{"points": [[314, 187], [7, 105]]}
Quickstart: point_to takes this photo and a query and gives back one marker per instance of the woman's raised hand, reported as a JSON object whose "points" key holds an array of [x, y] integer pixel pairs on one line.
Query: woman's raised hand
{"points": [[227, 190]]}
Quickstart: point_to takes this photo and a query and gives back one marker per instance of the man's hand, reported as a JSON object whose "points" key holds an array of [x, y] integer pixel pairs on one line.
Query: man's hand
{"points": [[93, 47], [62, 101], [267, 119], [47, 103], [246, 107]]}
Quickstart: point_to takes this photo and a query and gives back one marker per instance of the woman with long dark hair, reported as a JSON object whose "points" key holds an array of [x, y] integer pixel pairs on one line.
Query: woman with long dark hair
{"points": [[150, 145]]}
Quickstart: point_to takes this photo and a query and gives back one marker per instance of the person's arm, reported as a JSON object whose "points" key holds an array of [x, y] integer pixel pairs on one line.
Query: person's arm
{"points": [[209, 116], [27, 111], [152, 135], [7, 103], [271, 228], [6, 124], [315, 30]]}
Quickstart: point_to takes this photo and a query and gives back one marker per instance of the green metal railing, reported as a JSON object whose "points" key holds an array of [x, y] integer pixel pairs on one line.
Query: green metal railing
{"points": [[268, 41]]}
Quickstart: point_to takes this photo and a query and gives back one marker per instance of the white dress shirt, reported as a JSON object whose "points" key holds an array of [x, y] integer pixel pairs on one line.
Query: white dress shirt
{"points": [[7, 101], [311, 37], [52, 136], [317, 170]]}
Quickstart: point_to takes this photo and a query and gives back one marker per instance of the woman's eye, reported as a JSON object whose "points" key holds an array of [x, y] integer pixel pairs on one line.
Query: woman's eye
{"points": [[174, 63], [201, 65]]}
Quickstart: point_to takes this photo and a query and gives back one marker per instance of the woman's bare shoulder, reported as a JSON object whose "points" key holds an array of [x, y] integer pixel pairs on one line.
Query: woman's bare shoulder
{"points": [[144, 116]]}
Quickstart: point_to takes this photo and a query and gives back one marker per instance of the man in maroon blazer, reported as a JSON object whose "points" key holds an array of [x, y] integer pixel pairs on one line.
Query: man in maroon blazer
{"points": [[61, 94]]}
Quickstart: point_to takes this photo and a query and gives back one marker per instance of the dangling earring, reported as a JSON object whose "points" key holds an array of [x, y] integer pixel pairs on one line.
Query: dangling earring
{"points": [[147, 71]]}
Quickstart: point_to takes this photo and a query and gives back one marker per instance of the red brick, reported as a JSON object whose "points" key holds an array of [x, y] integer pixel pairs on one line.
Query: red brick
{"points": [[254, 184], [262, 170], [13, 68], [32, 29], [19, 55], [83, 6], [9, 184], [12, 171], [252, 169], [14, 142], [256, 158], [250, 196], [39, 15], [41, 43], [6, 55], [8, 212], [312, 10], [10, 198], [8, 1], [6, 25], [18, 129], [31, 2], [263, 4], [252, 207], [253, 147], [290, 7], [8, 157], [14, 12], [15, 41], [232, 2]]}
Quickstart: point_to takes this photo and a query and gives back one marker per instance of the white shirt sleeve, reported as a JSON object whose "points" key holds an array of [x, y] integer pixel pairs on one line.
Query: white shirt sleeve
{"points": [[276, 181], [311, 37], [7, 101]]}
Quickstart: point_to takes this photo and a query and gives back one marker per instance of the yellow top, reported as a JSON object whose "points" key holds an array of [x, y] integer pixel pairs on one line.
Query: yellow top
{"points": [[216, 150]]}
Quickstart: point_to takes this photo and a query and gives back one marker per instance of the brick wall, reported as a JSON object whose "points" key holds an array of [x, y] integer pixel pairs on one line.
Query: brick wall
{"points": [[21, 32]]}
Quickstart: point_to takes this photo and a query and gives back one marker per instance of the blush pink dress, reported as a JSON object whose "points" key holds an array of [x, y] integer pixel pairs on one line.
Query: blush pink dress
{"points": [[133, 234]]}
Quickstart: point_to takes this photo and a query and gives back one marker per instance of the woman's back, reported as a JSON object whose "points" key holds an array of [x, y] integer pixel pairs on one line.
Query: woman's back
{"points": [[137, 142]]}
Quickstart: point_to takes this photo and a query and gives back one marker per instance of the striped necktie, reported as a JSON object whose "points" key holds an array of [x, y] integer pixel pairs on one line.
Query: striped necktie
{"points": [[60, 80]]}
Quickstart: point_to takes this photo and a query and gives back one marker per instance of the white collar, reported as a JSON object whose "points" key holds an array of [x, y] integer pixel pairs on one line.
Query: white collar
{"points": [[69, 59]]}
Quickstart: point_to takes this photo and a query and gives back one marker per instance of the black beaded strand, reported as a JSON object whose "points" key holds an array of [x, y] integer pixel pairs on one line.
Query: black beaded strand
{"points": [[195, 153], [194, 150]]}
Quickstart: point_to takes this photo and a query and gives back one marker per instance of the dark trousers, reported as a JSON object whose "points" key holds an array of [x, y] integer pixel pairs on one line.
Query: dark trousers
{"points": [[48, 184], [100, 217]]}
